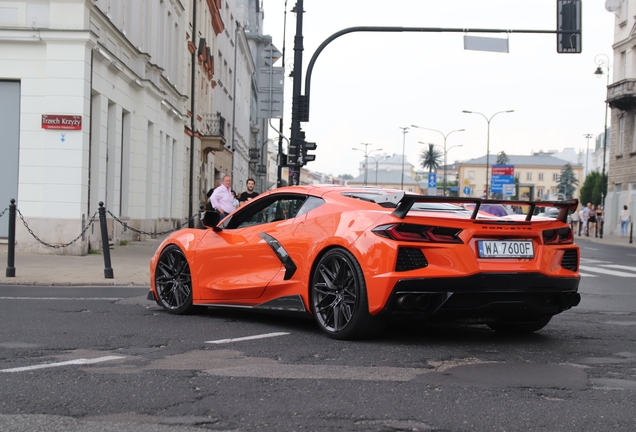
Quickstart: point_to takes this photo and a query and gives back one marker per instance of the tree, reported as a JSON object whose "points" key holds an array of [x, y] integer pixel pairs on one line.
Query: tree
{"points": [[591, 189], [567, 181], [431, 158], [346, 177], [502, 158]]}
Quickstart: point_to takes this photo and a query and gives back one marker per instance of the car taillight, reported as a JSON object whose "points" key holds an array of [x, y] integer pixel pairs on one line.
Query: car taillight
{"points": [[419, 233], [558, 236]]}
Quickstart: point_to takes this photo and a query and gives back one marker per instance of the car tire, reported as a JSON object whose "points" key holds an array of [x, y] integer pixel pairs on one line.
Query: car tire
{"points": [[518, 327], [338, 297], [173, 281]]}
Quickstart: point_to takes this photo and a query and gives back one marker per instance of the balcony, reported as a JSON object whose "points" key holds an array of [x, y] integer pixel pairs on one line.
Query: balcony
{"points": [[622, 95], [212, 132]]}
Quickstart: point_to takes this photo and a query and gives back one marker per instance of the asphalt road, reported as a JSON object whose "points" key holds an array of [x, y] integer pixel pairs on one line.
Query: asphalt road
{"points": [[102, 359]]}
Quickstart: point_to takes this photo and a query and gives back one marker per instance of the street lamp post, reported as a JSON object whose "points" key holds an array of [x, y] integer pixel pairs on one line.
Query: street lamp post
{"points": [[405, 130], [488, 119], [602, 61], [366, 159], [587, 155], [376, 159], [445, 136]]}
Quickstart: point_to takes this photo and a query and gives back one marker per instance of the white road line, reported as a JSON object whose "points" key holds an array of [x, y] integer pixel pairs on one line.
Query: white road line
{"points": [[607, 271], [620, 267], [266, 335], [587, 275], [81, 361], [62, 298]]}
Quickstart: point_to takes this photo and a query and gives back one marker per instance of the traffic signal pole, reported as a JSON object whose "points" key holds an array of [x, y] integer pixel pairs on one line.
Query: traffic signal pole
{"points": [[569, 40], [294, 152]]}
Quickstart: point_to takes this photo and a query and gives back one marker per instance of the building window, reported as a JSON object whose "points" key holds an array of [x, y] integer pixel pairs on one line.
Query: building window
{"points": [[471, 174], [540, 193], [621, 135], [623, 63], [555, 176], [529, 176], [540, 176]]}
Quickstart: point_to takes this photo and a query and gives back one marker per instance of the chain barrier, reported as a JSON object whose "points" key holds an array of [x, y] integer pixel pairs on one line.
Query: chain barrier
{"points": [[92, 220], [125, 225], [88, 225]]}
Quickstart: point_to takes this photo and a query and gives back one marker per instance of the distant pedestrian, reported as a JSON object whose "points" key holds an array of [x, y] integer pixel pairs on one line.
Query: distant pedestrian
{"points": [[591, 220], [583, 215], [575, 221], [625, 219], [235, 201], [248, 195], [208, 202], [222, 199]]}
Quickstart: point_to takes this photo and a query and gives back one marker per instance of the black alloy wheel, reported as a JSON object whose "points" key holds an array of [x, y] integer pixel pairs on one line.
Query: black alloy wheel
{"points": [[173, 281], [338, 297]]}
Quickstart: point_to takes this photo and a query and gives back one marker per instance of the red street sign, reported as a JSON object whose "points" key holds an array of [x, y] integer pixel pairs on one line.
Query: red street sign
{"points": [[503, 170], [66, 122]]}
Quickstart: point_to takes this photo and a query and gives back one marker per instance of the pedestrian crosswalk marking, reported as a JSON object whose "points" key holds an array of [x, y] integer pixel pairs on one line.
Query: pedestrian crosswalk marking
{"points": [[620, 267], [607, 271]]}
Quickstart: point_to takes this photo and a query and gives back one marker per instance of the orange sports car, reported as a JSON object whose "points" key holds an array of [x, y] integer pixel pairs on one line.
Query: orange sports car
{"points": [[354, 257]]}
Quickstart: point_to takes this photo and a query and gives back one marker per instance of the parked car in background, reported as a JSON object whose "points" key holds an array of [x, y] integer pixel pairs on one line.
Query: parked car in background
{"points": [[493, 209]]}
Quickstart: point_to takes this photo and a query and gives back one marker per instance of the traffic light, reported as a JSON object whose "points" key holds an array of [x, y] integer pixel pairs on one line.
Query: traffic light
{"points": [[569, 22], [308, 157]]}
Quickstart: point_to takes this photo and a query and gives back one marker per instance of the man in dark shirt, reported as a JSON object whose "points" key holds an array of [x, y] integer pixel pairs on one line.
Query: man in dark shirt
{"points": [[249, 195]]}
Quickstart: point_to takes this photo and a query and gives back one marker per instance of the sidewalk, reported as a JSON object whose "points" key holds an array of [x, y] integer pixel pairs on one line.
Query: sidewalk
{"points": [[609, 239], [130, 264]]}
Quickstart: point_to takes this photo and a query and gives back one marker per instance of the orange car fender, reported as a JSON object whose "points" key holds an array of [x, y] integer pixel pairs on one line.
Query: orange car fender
{"points": [[187, 240]]}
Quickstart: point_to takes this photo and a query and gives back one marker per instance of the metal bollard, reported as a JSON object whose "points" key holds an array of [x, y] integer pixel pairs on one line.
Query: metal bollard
{"points": [[631, 232], [11, 246], [108, 270]]}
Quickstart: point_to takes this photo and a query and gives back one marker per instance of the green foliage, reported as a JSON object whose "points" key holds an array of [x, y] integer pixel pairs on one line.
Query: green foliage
{"points": [[431, 158], [591, 189], [123, 242], [346, 177], [502, 158], [567, 181]]}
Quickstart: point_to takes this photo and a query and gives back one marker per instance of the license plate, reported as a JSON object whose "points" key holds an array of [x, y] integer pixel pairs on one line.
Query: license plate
{"points": [[505, 249]]}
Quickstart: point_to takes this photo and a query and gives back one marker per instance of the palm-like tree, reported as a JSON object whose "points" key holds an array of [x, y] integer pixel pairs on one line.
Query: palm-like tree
{"points": [[431, 158]]}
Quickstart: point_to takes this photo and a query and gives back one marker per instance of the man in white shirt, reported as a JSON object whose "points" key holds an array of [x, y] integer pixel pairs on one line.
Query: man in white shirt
{"points": [[222, 199]]}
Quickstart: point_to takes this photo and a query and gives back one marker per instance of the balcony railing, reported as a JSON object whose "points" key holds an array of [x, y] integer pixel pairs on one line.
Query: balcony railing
{"points": [[622, 95], [212, 125]]}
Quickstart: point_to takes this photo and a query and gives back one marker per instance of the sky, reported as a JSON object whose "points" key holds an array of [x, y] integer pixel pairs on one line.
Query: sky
{"points": [[366, 86]]}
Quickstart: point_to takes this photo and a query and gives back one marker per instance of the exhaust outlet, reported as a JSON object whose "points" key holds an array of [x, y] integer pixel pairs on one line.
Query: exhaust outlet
{"points": [[423, 301], [406, 301]]}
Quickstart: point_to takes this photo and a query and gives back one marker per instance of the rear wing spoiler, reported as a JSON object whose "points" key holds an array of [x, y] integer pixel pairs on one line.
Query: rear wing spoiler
{"points": [[403, 203]]}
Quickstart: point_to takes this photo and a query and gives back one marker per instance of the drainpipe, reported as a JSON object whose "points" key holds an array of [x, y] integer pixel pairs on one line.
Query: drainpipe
{"points": [[193, 117], [232, 147]]}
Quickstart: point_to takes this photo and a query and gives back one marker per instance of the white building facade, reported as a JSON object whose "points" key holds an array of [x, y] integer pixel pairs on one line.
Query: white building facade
{"points": [[97, 101], [621, 97]]}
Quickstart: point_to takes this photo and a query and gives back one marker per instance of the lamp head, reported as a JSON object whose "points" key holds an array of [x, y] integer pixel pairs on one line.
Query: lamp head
{"points": [[598, 72], [467, 112]]}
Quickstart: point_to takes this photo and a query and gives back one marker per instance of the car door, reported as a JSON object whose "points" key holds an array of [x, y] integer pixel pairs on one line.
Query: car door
{"points": [[237, 262]]}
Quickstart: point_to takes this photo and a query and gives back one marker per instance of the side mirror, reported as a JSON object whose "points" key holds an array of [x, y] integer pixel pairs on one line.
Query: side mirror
{"points": [[211, 218]]}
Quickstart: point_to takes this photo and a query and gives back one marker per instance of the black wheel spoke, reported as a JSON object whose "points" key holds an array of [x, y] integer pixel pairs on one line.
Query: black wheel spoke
{"points": [[173, 280], [335, 291]]}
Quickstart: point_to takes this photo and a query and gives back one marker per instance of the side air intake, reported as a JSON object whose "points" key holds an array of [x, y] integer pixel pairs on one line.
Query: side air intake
{"points": [[570, 260], [410, 259]]}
